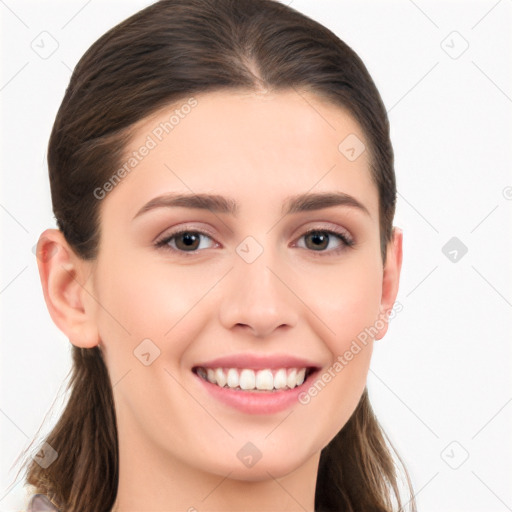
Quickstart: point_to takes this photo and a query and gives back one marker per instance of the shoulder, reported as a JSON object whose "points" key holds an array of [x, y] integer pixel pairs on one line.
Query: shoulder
{"points": [[40, 503]]}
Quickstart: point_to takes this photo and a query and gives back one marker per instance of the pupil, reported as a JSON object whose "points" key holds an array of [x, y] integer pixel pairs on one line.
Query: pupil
{"points": [[318, 238], [189, 239]]}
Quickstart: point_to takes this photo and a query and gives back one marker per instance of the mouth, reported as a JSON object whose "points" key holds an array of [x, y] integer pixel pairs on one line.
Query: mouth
{"points": [[266, 380]]}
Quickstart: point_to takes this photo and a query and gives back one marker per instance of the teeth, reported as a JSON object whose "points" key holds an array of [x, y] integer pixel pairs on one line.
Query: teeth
{"points": [[264, 379], [233, 378], [247, 379], [210, 373], [292, 378], [280, 379], [220, 378]]}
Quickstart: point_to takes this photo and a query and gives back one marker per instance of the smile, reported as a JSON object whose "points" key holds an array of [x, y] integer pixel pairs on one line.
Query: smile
{"points": [[246, 379]]}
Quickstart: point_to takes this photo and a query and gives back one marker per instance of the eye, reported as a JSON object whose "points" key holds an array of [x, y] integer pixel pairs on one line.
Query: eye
{"points": [[189, 241], [319, 239], [183, 241]]}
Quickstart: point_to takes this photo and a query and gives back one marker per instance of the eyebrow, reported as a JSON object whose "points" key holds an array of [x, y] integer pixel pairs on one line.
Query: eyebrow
{"points": [[220, 204]]}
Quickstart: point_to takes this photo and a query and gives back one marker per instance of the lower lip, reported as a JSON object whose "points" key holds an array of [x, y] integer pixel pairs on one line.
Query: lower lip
{"points": [[257, 402]]}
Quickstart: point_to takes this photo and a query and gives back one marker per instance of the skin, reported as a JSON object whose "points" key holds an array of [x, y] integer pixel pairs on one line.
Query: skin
{"points": [[178, 446]]}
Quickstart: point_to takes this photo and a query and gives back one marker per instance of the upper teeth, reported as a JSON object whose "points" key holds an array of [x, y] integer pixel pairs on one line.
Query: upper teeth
{"points": [[248, 379]]}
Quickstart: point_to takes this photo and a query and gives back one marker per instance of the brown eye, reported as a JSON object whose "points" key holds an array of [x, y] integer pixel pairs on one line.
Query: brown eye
{"points": [[318, 240], [187, 240], [183, 241]]}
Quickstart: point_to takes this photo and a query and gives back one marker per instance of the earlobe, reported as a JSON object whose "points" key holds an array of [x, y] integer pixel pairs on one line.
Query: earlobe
{"points": [[390, 279], [63, 279]]}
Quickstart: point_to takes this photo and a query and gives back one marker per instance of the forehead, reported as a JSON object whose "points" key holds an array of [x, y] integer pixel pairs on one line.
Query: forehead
{"points": [[252, 146]]}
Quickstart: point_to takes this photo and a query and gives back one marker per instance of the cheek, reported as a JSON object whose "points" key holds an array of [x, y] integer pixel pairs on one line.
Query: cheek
{"points": [[347, 298], [348, 302], [149, 301]]}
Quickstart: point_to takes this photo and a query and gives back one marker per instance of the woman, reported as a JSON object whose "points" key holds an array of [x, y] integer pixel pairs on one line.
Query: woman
{"points": [[222, 179]]}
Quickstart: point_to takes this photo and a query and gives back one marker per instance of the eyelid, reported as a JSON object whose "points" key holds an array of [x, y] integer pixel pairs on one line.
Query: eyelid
{"points": [[338, 230], [180, 229], [344, 235], [345, 238]]}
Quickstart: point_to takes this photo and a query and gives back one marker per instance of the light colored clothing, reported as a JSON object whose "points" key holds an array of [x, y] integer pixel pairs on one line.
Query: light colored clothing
{"points": [[40, 503]]}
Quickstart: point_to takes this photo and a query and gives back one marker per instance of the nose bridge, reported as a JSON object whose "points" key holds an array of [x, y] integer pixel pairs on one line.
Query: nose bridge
{"points": [[256, 295]]}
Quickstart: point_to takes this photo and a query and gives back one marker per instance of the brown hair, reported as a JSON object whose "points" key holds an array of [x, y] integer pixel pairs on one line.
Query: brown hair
{"points": [[160, 55]]}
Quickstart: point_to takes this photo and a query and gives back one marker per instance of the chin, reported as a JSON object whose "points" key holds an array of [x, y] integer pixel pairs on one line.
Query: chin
{"points": [[275, 465]]}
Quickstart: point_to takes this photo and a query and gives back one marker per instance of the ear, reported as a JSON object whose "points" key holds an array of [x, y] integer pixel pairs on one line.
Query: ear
{"points": [[390, 279], [68, 297]]}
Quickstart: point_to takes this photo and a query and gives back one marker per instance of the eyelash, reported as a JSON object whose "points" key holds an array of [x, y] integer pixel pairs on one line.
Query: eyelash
{"points": [[345, 240]]}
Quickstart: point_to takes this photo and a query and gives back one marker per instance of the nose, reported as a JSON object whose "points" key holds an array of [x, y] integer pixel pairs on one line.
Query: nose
{"points": [[258, 298]]}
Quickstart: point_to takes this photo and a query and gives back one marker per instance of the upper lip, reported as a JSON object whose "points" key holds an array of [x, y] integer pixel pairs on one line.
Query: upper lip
{"points": [[258, 362]]}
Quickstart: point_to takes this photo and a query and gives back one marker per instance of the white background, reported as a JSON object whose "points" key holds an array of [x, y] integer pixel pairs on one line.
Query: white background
{"points": [[440, 380]]}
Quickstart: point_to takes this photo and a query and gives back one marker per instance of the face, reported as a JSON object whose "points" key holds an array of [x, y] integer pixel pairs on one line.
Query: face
{"points": [[238, 288]]}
